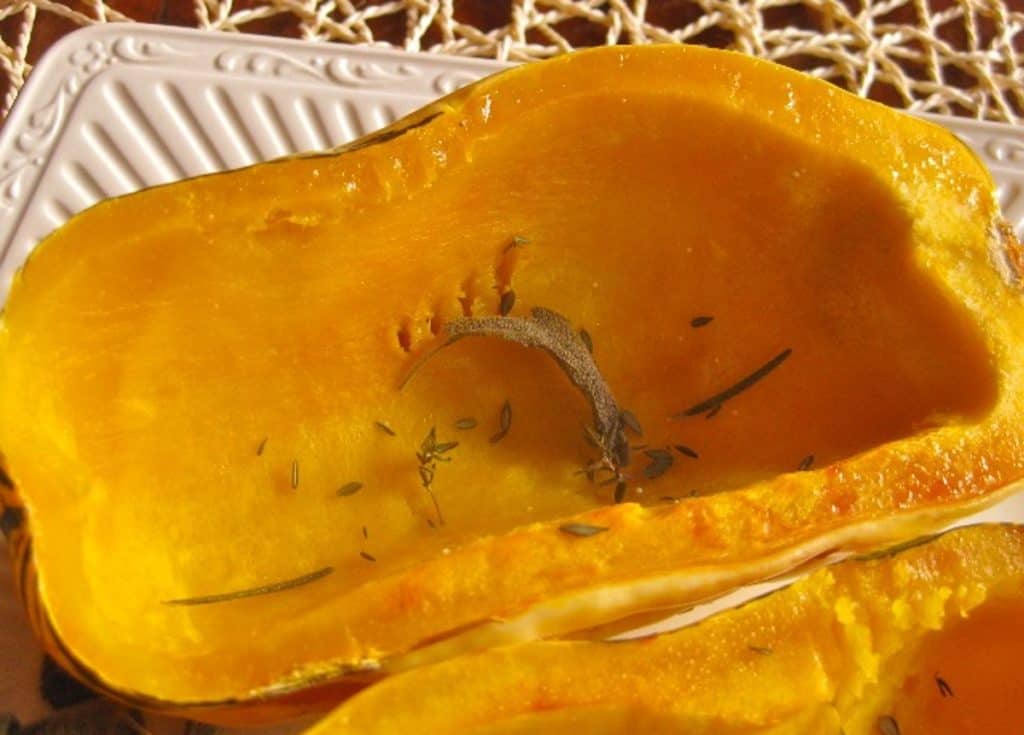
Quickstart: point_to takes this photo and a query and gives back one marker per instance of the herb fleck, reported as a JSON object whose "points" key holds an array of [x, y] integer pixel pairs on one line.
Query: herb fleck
{"points": [[429, 455], [295, 474], [587, 340], [686, 451], [714, 404], [701, 321], [366, 534], [384, 427], [805, 463], [368, 557], [517, 242], [253, 591], [261, 446], [944, 688], [504, 422], [762, 650], [349, 488], [661, 462], [631, 423], [887, 725], [581, 529], [465, 424], [508, 300]]}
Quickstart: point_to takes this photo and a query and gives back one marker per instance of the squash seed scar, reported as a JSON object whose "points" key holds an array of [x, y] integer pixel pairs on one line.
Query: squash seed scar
{"points": [[267, 589]]}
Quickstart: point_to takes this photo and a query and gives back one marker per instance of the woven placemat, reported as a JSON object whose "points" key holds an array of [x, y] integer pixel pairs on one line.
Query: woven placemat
{"points": [[961, 57]]}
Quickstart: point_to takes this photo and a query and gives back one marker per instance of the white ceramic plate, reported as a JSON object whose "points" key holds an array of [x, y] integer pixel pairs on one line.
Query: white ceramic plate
{"points": [[114, 108]]}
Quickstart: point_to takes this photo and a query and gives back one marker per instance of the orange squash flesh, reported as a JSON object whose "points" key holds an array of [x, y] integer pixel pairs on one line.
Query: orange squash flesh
{"points": [[189, 375], [930, 638]]}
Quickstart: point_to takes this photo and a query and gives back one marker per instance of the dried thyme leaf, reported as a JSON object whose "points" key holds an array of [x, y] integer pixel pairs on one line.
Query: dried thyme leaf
{"points": [[763, 650], [261, 446], [253, 591], [366, 533], [581, 529], [805, 463], [587, 340], [661, 462], [517, 241], [504, 422], [620, 491], [368, 557], [349, 488], [437, 505], [887, 725], [944, 688], [384, 427], [686, 451], [508, 300], [430, 453], [655, 470], [631, 423], [295, 474], [465, 424], [429, 442], [714, 404], [701, 321]]}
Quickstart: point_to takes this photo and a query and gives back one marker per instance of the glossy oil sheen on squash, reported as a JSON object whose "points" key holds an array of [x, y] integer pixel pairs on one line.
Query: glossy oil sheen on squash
{"points": [[189, 375]]}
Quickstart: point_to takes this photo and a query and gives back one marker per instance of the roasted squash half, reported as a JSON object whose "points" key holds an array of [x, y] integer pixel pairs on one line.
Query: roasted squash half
{"points": [[927, 641], [593, 337]]}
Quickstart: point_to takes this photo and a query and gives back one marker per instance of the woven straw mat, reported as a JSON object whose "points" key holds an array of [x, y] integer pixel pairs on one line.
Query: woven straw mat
{"points": [[962, 57]]}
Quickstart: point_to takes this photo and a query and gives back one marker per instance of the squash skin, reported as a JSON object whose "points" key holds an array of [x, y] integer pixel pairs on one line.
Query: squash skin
{"points": [[650, 557], [836, 649]]}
